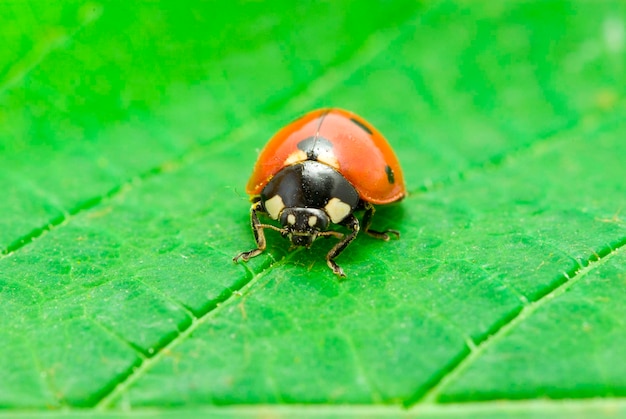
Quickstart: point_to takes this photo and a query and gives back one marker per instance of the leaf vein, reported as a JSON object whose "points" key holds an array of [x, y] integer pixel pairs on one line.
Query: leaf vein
{"points": [[234, 293], [20, 69], [495, 161], [501, 329]]}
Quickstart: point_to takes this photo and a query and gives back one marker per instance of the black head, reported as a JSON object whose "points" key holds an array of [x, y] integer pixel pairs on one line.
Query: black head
{"points": [[302, 225]]}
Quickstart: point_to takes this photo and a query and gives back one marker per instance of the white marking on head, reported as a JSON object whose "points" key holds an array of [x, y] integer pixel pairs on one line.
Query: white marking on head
{"points": [[274, 206], [312, 220], [337, 210], [329, 159], [291, 219], [295, 157]]}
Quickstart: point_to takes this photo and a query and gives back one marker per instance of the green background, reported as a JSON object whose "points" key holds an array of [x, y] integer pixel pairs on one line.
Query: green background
{"points": [[128, 131]]}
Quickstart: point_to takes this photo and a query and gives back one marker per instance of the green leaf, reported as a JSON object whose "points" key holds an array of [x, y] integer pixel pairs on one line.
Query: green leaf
{"points": [[128, 131]]}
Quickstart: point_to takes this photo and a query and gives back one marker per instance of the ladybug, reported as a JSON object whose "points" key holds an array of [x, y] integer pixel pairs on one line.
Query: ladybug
{"points": [[318, 171]]}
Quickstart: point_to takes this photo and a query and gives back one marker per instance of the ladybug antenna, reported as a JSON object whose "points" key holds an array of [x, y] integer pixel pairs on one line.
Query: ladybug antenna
{"points": [[333, 233], [283, 231]]}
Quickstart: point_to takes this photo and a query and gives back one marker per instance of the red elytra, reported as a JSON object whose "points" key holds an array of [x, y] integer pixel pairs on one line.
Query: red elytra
{"points": [[359, 152]]}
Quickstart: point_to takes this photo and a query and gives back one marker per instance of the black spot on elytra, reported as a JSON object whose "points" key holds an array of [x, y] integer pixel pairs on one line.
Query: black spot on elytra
{"points": [[362, 125], [314, 146], [390, 176]]}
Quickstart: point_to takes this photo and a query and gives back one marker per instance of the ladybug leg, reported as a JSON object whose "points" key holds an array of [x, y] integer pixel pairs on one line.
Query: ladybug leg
{"points": [[367, 221], [259, 236], [351, 223]]}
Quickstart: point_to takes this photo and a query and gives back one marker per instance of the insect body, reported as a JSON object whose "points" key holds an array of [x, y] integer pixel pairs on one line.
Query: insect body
{"points": [[318, 171]]}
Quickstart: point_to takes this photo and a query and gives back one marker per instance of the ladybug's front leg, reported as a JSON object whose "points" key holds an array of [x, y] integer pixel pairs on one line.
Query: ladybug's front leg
{"points": [[351, 223], [367, 221], [259, 236]]}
